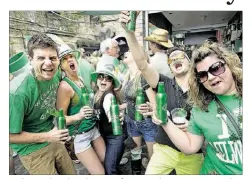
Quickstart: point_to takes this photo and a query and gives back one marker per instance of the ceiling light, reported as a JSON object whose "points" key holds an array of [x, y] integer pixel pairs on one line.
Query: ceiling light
{"points": [[170, 13]]}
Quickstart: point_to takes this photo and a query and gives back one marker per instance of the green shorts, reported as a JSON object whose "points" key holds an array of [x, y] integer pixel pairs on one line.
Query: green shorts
{"points": [[165, 159]]}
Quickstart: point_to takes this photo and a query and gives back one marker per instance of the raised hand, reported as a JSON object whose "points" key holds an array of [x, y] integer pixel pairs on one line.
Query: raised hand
{"points": [[124, 18]]}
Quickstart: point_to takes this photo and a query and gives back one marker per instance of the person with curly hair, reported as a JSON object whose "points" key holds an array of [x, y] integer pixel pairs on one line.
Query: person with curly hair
{"points": [[215, 91]]}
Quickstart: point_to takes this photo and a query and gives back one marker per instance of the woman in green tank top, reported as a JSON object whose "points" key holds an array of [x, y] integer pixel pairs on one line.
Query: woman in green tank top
{"points": [[88, 144]]}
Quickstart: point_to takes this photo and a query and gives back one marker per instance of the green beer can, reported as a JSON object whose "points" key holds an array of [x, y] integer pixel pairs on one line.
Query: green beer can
{"points": [[61, 120], [140, 99], [132, 23], [116, 123], [161, 103]]}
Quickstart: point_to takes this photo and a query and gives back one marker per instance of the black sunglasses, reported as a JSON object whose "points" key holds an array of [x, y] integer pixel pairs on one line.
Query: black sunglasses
{"points": [[215, 69], [106, 77]]}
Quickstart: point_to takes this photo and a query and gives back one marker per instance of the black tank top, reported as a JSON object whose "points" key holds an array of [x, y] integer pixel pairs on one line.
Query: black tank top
{"points": [[104, 125]]}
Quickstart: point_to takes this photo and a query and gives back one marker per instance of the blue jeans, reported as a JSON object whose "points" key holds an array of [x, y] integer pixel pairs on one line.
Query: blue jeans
{"points": [[145, 128], [114, 153]]}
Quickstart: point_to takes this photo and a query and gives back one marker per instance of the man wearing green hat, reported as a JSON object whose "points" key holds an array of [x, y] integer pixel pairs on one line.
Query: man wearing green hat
{"points": [[31, 131]]}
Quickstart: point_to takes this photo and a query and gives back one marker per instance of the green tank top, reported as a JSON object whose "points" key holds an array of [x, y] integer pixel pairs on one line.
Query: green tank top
{"points": [[76, 103]]}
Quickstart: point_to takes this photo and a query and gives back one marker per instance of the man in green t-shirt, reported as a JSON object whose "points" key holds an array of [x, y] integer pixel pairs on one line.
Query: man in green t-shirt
{"points": [[31, 131]]}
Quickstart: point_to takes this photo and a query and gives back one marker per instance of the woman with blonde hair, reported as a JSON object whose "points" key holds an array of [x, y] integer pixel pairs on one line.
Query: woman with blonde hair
{"points": [[138, 129]]}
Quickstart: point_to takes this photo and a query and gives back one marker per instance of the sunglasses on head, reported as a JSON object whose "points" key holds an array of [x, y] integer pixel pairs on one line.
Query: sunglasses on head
{"points": [[176, 57], [106, 77], [215, 69]]}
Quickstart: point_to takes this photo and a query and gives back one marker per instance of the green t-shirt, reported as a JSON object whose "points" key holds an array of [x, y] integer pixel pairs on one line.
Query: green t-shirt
{"points": [[223, 156], [30, 102], [123, 68], [116, 62]]}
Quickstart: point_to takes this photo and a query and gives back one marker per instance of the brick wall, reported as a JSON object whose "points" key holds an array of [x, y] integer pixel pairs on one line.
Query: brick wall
{"points": [[24, 24]]}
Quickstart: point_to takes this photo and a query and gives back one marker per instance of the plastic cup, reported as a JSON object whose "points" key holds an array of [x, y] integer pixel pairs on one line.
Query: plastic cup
{"points": [[179, 116]]}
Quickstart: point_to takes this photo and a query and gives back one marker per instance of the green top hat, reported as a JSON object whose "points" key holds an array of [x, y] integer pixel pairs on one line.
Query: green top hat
{"points": [[64, 49], [108, 69], [17, 62]]}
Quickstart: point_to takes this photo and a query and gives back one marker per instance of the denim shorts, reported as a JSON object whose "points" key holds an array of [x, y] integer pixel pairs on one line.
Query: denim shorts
{"points": [[83, 141], [145, 128]]}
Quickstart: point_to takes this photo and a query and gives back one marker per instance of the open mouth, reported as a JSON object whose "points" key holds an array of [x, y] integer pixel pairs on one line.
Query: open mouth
{"points": [[216, 83], [103, 85], [72, 66], [178, 65], [47, 70]]}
